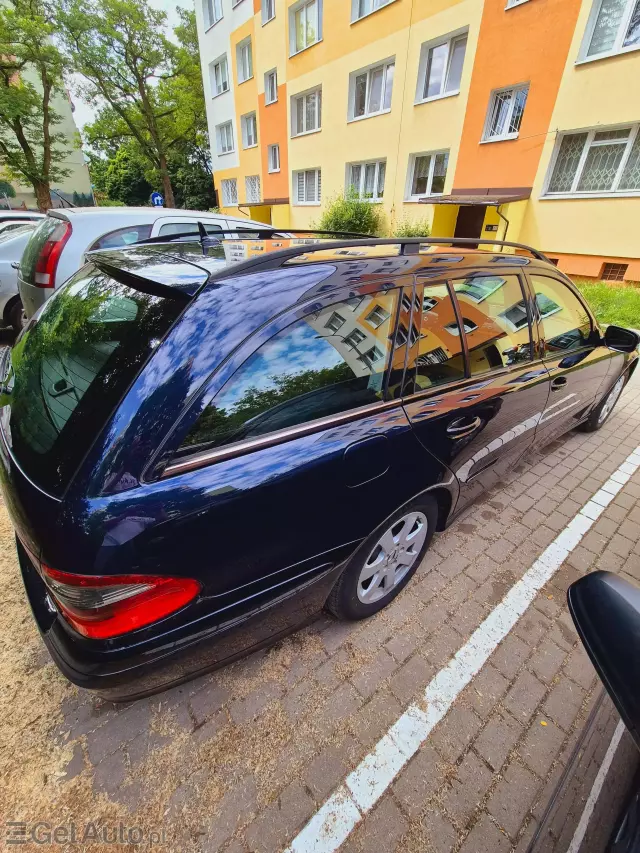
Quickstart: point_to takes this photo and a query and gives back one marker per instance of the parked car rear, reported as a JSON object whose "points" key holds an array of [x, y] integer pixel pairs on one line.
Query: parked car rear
{"points": [[59, 244]]}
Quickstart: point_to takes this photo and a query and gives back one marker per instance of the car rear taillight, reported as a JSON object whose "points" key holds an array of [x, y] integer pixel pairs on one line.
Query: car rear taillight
{"points": [[47, 261], [106, 606]]}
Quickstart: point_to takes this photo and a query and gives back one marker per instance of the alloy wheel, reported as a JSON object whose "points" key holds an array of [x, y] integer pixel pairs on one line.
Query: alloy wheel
{"points": [[611, 400], [392, 557]]}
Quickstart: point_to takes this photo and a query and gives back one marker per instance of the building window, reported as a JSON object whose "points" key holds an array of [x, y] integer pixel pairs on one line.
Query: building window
{"points": [[244, 59], [504, 115], [427, 174], [335, 321], [362, 8], [271, 87], [224, 135], [307, 186], [367, 179], [376, 316], [306, 112], [219, 76], [249, 131], [252, 189], [614, 27], [511, 3], [305, 25], [268, 10], [355, 338], [211, 12], [597, 161], [229, 192], [371, 90], [441, 68], [614, 272], [273, 153]]}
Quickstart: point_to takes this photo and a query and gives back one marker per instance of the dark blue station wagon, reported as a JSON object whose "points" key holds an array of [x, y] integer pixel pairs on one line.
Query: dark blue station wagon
{"points": [[199, 451]]}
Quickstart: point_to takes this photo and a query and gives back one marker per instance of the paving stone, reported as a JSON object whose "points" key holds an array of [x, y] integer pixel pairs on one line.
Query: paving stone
{"points": [[244, 710], [236, 807], [485, 690], [334, 762], [367, 680], [382, 830], [76, 764], [563, 703], [443, 646], [498, 738], [338, 707], [485, 837], [403, 644], [512, 797], [541, 745], [208, 700], [277, 823], [481, 568], [546, 660], [438, 833], [376, 717], [422, 777], [466, 788], [579, 668], [452, 736], [411, 678], [510, 656], [109, 774], [119, 729], [523, 698], [532, 627]]}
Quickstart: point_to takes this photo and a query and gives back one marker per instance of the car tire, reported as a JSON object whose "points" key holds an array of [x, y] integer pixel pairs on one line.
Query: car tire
{"points": [[16, 315], [600, 415], [385, 562]]}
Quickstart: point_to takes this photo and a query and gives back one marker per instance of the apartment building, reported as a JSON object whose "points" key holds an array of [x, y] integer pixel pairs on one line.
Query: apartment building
{"points": [[513, 119]]}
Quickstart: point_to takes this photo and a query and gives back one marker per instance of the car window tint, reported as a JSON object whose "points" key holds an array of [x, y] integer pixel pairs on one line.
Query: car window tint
{"points": [[122, 237], [437, 358], [565, 322], [494, 316], [170, 228], [329, 362]]}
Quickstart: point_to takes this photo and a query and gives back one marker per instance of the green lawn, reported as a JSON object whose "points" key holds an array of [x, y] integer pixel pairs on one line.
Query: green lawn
{"points": [[612, 303]]}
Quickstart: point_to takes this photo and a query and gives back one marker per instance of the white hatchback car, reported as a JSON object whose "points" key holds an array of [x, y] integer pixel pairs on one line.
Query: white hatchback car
{"points": [[12, 243], [58, 246]]}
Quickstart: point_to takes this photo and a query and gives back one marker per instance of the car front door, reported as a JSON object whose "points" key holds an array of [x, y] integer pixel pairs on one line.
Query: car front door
{"points": [[577, 361], [478, 390], [168, 226]]}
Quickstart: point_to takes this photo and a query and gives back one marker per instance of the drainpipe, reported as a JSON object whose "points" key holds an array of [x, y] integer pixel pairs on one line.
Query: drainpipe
{"points": [[505, 220]]}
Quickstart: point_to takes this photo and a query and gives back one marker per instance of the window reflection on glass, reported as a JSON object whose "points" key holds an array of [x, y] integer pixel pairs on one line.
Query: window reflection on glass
{"points": [[495, 321], [565, 322], [437, 358], [329, 362]]}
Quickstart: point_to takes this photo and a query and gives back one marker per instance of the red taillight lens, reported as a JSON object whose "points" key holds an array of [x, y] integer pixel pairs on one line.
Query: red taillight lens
{"points": [[100, 607], [47, 263]]}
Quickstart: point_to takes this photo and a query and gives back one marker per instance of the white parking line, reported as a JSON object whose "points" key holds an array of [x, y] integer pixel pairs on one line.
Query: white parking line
{"points": [[581, 829], [339, 815]]}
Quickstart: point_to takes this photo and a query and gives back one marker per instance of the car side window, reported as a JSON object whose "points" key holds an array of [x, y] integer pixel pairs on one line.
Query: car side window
{"points": [[565, 321], [438, 357], [328, 362], [170, 228], [494, 316], [122, 237]]}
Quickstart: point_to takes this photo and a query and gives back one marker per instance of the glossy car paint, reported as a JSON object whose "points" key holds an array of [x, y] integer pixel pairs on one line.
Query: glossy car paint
{"points": [[268, 530]]}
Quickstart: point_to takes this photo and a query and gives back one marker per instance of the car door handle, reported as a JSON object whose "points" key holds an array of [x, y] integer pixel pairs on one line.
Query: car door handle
{"points": [[15, 265], [558, 383], [463, 426]]}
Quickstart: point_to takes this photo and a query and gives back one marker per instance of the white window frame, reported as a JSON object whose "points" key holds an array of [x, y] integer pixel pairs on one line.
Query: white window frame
{"points": [[425, 49], [409, 196], [520, 87], [217, 13], [273, 73], [295, 130], [303, 4], [622, 33], [220, 128], [385, 64], [511, 4], [222, 63], [363, 163], [376, 5], [273, 161], [266, 7], [243, 45], [249, 123], [224, 184], [246, 189], [591, 132], [318, 187]]}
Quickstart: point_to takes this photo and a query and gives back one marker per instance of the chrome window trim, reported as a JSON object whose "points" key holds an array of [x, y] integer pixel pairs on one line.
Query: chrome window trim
{"points": [[219, 454]]}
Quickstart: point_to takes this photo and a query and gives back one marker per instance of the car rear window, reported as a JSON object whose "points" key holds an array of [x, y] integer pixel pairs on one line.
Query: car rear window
{"points": [[33, 248], [70, 369]]}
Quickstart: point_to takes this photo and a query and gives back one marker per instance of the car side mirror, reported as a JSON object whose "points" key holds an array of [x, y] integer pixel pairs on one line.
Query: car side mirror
{"points": [[606, 612], [623, 340]]}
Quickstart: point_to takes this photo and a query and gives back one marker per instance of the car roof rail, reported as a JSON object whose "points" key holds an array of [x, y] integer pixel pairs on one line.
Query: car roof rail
{"points": [[266, 232]]}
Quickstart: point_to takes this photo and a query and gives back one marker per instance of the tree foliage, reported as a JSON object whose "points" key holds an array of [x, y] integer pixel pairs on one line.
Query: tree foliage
{"points": [[412, 228], [348, 212], [32, 148]]}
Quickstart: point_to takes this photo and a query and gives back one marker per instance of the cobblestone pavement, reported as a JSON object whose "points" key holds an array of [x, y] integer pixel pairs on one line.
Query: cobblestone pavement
{"points": [[241, 759]]}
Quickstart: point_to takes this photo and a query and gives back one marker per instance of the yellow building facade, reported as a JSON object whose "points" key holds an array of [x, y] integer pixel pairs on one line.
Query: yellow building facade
{"points": [[513, 119]]}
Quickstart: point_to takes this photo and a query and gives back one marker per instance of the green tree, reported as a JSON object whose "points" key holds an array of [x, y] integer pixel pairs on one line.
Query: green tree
{"points": [[31, 66], [348, 212], [125, 179], [408, 228], [6, 189]]}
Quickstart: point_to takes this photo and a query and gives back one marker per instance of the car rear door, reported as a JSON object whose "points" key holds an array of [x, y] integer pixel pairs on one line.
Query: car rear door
{"points": [[572, 351], [476, 388]]}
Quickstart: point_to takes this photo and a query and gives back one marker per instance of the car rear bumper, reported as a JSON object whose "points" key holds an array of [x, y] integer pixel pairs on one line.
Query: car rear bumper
{"points": [[124, 675], [33, 297]]}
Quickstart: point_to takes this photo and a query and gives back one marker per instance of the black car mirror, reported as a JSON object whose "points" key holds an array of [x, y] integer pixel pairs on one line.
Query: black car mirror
{"points": [[623, 340], [606, 612]]}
